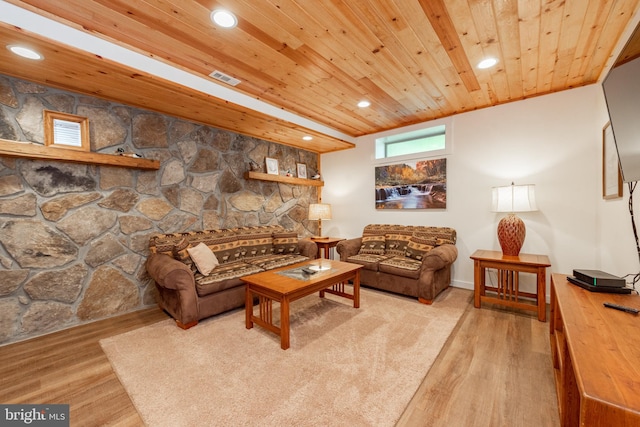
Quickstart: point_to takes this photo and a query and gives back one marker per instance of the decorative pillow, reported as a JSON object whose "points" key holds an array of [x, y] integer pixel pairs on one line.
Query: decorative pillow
{"points": [[396, 243], [204, 258], [419, 246], [179, 251], [285, 243], [372, 244]]}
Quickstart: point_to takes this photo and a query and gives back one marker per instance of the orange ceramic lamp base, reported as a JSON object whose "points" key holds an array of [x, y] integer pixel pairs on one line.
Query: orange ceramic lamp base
{"points": [[511, 233]]}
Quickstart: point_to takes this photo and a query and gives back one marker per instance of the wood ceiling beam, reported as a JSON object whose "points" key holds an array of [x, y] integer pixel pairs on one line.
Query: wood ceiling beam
{"points": [[442, 24]]}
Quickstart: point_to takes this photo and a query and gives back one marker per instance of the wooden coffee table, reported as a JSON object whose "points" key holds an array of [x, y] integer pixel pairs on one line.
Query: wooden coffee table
{"points": [[273, 285]]}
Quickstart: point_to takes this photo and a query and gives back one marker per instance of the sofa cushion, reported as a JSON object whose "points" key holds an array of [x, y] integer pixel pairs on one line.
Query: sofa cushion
{"points": [[442, 235], [165, 243], [224, 276], [419, 245], [255, 241], [397, 242], [285, 243], [225, 247], [372, 244], [369, 261], [441, 241], [401, 266], [271, 261], [381, 229], [179, 251], [204, 259]]}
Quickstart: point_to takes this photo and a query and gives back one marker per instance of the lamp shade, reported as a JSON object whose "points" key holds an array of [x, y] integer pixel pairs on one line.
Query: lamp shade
{"points": [[514, 198], [319, 211]]}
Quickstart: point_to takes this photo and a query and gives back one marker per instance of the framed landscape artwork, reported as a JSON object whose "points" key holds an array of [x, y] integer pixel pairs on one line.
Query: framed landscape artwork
{"points": [[421, 184]]}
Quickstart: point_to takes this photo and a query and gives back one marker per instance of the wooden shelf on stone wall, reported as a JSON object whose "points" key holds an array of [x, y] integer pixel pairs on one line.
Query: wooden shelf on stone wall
{"points": [[283, 179], [29, 150]]}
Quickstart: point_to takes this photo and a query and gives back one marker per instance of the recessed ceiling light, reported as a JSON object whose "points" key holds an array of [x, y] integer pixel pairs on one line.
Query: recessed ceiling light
{"points": [[307, 138], [224, 18], [487, 63], [24, 52], [364, 104]]}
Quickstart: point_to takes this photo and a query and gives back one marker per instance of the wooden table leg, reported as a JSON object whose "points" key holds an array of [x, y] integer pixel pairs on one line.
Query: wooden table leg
{"points": [[248, 307], [356, 290], [542, 290], [284, 323], [477, 270]]}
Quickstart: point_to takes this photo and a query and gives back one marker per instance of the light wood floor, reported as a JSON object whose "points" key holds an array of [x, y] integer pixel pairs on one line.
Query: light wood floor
{"points": [[495, 370], [69, 367]]}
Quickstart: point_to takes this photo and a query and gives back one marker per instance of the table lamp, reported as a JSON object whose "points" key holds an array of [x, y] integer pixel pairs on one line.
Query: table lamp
{"points": [[511, 230], [318, 212]]}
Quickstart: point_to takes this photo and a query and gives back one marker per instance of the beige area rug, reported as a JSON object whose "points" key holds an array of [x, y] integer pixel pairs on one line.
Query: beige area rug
{"points": [[345, 366]]}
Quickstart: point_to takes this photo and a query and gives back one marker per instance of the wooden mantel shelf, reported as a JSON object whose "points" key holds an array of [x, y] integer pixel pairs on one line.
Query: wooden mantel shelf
{"points": [[283, 179], [40, 152]]}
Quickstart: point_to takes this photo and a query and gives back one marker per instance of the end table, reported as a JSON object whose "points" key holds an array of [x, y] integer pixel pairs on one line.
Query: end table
{"points": [[507, 289], [325, 244]]}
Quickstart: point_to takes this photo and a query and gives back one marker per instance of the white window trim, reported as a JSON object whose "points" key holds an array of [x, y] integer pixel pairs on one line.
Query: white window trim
{"points": [[448, 138]]}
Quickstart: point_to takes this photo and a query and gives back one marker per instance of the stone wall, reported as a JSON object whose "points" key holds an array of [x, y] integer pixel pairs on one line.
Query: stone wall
{"points": [[74, 238]]}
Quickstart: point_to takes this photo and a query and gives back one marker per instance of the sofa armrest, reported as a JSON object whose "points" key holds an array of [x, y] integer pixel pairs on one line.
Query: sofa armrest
{"points": [[349, 247], [177, 288], [170, 273], [439, 257], [308, 248]]}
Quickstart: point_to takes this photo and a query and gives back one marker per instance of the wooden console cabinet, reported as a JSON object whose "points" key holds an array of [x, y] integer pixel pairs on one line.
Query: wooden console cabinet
{"points": [[596, 356]]}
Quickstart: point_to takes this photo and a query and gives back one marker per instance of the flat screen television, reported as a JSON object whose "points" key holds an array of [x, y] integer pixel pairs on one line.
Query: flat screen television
{"points": [[622, 93]]}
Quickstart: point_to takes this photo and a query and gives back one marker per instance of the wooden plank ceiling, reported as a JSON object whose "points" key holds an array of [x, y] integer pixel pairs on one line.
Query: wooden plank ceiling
{"points": [[414, 60]]}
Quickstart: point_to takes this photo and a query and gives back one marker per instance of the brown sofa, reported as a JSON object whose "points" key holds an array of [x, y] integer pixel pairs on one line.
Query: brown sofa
{"points": [[408, 260], [188, 296]]}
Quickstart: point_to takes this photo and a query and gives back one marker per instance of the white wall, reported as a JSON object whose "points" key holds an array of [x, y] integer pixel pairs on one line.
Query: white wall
{"points": [[553, 141], [617, 252]]}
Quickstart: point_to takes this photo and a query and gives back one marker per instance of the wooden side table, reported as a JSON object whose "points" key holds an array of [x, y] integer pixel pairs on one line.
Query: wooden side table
{"points": [[324, 244], [507, 290]]}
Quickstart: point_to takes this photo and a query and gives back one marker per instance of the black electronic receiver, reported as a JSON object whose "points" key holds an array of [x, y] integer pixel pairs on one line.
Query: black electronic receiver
{"points": [[621, 307]]}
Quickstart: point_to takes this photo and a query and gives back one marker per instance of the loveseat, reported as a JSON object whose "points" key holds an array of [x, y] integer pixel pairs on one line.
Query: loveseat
{"points": [[408, 260], [188, 295]]}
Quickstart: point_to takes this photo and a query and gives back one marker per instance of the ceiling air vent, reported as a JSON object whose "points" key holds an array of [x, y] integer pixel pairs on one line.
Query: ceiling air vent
{"points": [[224, 78]]}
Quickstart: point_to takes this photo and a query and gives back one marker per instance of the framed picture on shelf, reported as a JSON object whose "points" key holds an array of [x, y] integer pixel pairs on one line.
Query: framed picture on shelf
{"points": [[67, 131], [611, 175], [272, 166], [302, 170]]}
